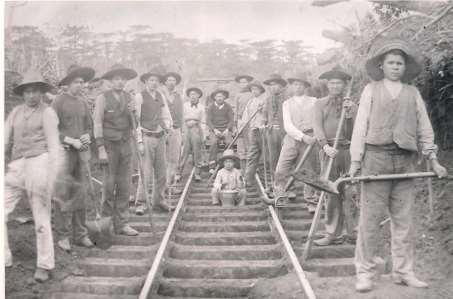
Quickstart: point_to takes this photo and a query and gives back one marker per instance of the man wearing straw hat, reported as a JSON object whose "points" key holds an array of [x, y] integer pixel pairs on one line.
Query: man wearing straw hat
{"points": [[194, 131], [241, 100], [113, 131], [325, 122], [154, 121], [392, 123], [75, 127], [298, 124], [32, 149], [174, 138]]}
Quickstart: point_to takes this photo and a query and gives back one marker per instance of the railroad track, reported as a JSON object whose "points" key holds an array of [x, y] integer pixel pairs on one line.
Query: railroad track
{"points": [[205, 251]]}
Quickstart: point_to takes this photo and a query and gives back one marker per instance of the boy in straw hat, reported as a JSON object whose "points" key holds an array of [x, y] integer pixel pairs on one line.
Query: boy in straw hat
{"points": [[326, 118], [298, 124], [228, 178], [32, 147], [241, 99], [154, 121], [391, 124], [194, 130], [113, 131], [75, 127]]}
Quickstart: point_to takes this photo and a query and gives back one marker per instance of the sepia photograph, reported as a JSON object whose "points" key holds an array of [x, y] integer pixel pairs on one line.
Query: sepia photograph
{"points": [[227, 149]]}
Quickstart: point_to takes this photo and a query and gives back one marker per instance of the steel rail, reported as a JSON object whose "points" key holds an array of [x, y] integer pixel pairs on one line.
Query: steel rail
{"points": [[305, 284], [152, 274]]}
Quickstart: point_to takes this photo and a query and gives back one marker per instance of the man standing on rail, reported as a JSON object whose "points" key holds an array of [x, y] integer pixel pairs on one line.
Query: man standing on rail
{"points": [[75, 127], [391, 125], [274, 116], [298, 123], [259, 122], [113, 131], [154, 121], [194, 130], [32, 149], [241, 100], [325, 123]]}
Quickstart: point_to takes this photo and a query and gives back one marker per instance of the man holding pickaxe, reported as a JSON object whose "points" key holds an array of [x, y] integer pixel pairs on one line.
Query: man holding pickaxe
{"points": [[327, 117]]}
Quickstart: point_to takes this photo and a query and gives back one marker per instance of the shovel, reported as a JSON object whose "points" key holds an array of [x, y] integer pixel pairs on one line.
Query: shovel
{"points": [[332, 187]]}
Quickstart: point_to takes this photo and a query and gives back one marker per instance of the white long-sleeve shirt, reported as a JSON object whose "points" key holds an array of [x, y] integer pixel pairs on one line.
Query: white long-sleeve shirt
{"points": [[298, 115], [425, 134]]}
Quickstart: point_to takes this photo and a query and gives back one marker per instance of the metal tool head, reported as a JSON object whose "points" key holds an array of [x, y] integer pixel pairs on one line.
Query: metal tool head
{"points": [[323, 185]]}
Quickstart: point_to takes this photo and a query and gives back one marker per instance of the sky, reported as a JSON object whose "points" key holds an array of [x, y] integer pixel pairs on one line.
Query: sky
{"points": [[231, 21]]}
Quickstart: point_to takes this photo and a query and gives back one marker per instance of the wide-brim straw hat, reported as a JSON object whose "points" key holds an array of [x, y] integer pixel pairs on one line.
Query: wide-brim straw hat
{"points": [[32, 79], [247, 77], [413, 65], [75, 71], [229, 154], [277, 79], [222, 91], [336, 73], [172, 74], [120, 70], [256, 84], [196, 89], [300, 78]]}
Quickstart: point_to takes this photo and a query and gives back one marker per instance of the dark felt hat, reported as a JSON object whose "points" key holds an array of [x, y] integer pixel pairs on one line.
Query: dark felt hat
{"points": [[32, 79], [277, 79], [300, 77], [247, 77], [196, 89], [172, 74], [413, 65], [336, 73], [120, 70], [75, 71], [229, 154], [256, 84], [222, 91], [152, 73]]}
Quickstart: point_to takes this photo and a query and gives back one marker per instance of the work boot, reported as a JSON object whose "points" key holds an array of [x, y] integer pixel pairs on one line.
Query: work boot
{"points": [[311, 208], [173, 190], [410, 281], [291, 195], [140, 210], [85, 242], [163, 207], [127, 231], [177, 178], [197, 178], [363, 285], [64, 244], [41, 275], [328, 240]]}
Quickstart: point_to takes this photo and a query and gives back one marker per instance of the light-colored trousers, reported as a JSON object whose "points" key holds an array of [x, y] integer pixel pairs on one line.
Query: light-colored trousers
{"points": [[274, 141], [174, 144], [154, 168], [30, 177], [378, 199], [292, 152], [193, 141]]}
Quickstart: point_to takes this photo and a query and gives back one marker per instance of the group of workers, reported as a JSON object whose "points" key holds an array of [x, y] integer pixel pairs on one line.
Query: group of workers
{"points": [[49, 149]]}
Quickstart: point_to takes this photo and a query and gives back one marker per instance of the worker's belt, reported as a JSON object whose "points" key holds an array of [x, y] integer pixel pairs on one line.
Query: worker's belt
{"points": [[153, 134], [392, 149], [307, 131]]}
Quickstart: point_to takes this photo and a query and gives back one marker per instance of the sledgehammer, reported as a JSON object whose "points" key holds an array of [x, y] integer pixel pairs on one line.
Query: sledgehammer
{"points": [[332, 187]]}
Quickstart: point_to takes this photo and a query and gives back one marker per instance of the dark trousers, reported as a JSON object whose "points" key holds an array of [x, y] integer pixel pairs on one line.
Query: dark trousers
{"points": [[253, 155], [118, 182], [275, 136], [214, 143]]}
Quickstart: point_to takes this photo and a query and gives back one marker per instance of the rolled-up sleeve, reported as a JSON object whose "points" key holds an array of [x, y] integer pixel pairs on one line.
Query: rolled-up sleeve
{"points": [[425, 133], [318, 124], [138, 100], [98, 120], [50, 126], [290, 129], [357, 148], [166, 115], [9, 131]]}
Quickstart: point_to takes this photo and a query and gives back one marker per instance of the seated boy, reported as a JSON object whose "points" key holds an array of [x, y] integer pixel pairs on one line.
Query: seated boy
{"points": [[228, 178]]}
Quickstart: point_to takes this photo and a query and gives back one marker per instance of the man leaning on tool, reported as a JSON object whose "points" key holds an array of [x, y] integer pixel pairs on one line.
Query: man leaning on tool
{"points": [[297, 120], [113, 131], [392, 123], [154, 121], [326, 119], [75, 127], [33, 148]]}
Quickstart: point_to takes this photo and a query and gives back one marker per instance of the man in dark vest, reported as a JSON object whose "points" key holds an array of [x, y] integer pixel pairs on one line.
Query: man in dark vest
{"points": [[391, 126], [76, 129], [174, 138], [113, 131], [154, 121], [32, 151]]}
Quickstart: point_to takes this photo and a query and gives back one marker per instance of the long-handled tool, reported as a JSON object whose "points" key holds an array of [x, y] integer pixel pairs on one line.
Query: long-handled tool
{"points": [[280, 195], [211, 178], [317, 216], [264, 149], [332, 187]]}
